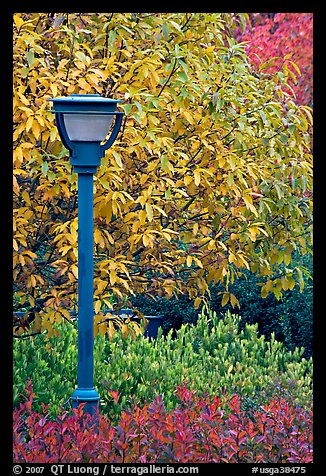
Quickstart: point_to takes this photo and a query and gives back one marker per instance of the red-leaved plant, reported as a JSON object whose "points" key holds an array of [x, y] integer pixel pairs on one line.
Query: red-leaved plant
{"points": [[280, 35], [200, 429]]}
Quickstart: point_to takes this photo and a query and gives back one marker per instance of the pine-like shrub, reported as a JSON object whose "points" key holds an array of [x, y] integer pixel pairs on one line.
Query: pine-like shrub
{"points": [[212, 356]]}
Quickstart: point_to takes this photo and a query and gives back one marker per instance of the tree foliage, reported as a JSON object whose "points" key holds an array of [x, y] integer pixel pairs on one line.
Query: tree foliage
{"points": [[210, 175], [273, 37]]}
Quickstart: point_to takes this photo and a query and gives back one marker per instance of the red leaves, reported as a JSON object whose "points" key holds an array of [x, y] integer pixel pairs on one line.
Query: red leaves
{"points": [[115, 395], [279, 35], [199, 429]]}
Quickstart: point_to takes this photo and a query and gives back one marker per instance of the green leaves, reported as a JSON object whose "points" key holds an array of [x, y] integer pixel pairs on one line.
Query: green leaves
{"points": [[45, 167], [165, 31], [30, 58], [212, 355]]}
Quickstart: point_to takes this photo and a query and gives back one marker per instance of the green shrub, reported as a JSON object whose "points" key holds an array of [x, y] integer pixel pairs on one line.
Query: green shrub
{"points": [[50, 363], [213, 355], [289, 318]]}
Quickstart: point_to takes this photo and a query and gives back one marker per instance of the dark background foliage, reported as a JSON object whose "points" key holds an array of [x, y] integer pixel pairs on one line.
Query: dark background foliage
{"points": [[290, 318]]}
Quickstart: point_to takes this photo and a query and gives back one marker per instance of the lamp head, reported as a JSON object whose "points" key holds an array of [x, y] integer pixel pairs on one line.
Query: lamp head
{"points": [[83, 122]]}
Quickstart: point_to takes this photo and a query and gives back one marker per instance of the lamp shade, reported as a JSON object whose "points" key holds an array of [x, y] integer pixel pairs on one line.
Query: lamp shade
{"points": [[84, 117], [88, 124], [87, 127]]}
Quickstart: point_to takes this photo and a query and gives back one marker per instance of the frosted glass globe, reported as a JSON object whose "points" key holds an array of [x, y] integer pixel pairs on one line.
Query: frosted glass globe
{"points": [[87, 127]]}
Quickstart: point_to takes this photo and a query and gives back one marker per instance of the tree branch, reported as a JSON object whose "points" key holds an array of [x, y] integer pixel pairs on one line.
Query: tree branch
{"points": [[174, 68]]}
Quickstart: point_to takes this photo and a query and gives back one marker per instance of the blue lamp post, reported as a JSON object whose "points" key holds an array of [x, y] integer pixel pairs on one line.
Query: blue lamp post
{"points": [[84, 121]]}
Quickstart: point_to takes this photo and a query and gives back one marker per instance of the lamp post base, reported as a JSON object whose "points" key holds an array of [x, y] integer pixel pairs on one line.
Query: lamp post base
{"points": [[89, 396]]}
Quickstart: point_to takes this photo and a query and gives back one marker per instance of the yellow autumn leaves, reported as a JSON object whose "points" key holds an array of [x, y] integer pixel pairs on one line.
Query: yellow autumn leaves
{"points": [[196, 188]]}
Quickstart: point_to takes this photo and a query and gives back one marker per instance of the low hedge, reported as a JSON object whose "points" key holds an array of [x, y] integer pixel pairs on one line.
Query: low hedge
{"points": [[200, 428], [214, 355]]}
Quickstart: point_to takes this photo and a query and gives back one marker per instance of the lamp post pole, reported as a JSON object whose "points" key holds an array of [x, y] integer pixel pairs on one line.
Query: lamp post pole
{"points": [[84, 121], [85, 392]]}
